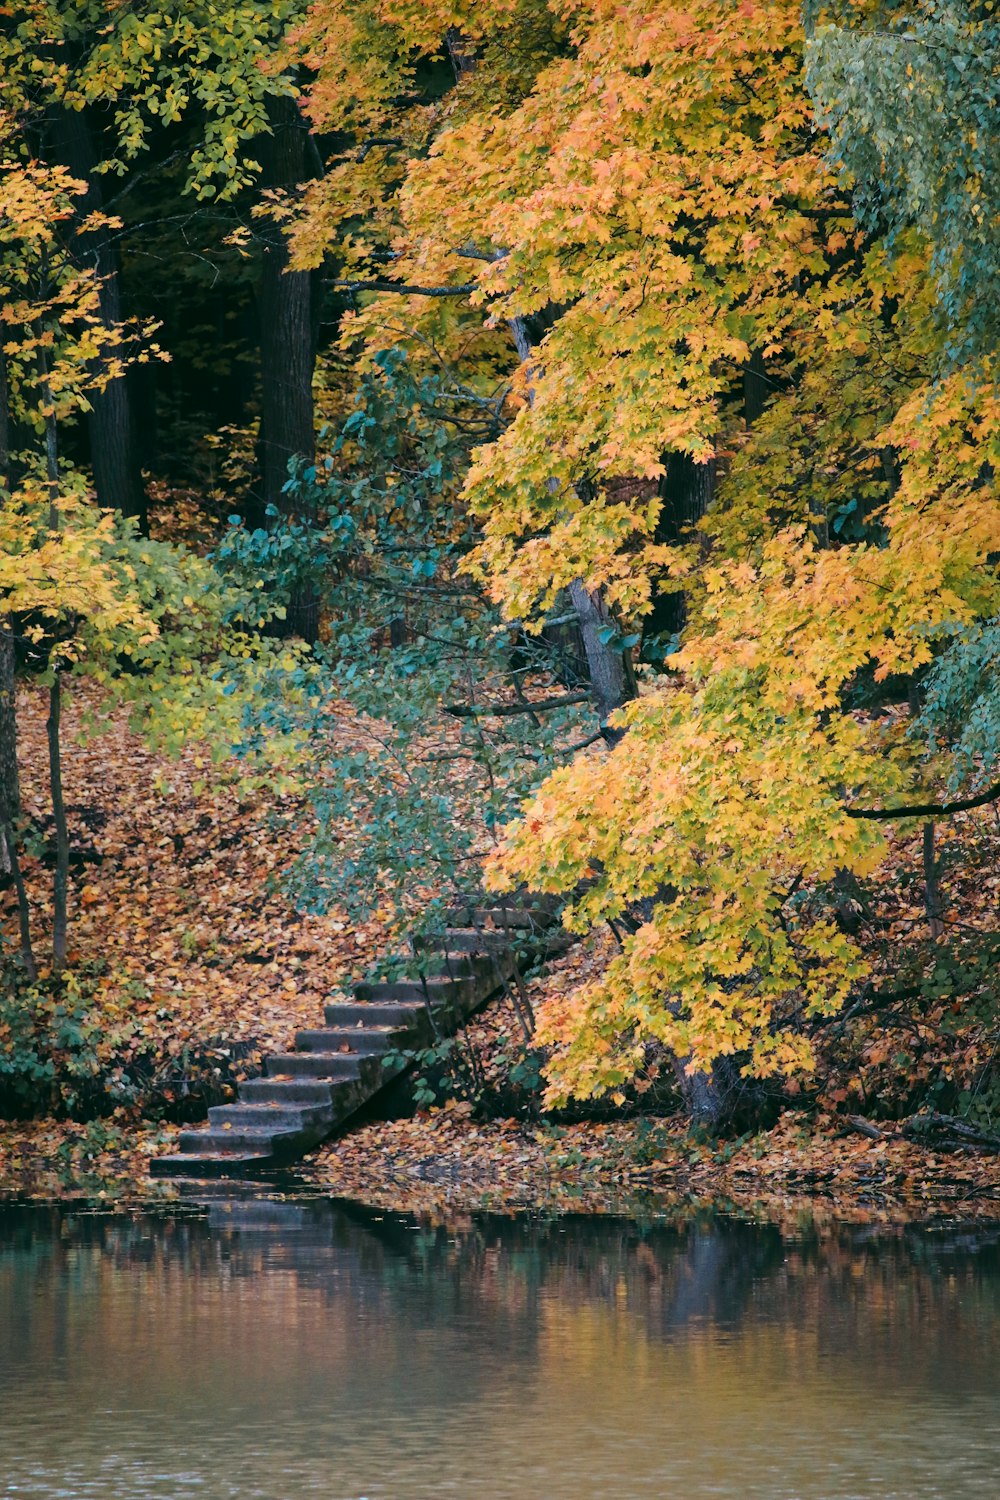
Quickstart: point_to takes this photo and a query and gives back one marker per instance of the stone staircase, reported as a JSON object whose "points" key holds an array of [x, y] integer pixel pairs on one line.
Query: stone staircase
{"points": [[307, 1093]]}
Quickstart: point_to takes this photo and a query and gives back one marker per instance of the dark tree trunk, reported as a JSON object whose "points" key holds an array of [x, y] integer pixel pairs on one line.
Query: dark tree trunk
{"points": [[609, 667], [755, 388], [686, 490], [12, 866], [6, 478], [463, 59], [932, 887], [701, 1093], [288, 328], [111, 425], [723, 1098], [60, 885], [10, 787]]}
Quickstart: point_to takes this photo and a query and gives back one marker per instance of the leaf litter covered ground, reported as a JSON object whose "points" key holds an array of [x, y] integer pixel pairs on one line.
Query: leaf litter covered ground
{"points": [[442, 1162], [192, 949], [177, 915], [446, 1160]]}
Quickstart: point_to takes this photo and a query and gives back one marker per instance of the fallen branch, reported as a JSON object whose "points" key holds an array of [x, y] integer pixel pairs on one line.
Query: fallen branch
{"points": [[592, 739], [949, 1129]]}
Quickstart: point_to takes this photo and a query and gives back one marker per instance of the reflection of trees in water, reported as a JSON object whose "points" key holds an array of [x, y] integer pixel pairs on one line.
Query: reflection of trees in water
{"points": [[915, 1306]]}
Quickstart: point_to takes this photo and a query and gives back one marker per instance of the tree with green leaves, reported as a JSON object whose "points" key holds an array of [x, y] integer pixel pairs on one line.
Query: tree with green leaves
{"points": [[429, 717], [117, 93]]}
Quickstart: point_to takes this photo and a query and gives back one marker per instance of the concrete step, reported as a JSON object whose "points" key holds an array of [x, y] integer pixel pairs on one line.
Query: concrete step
{"points": [[500, 918], [470, 940], [241, 1140], [433, 991], [286, 1091], [396, 1013], [364, 1039], [327, 1043], [207, 1164], [334, 1070], [317, 1062], [269, 1116], [443, 962]]}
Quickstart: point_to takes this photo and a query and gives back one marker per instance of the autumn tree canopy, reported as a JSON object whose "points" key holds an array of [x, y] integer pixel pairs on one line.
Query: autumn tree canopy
{"points": [[667, 325], [643, 212]]}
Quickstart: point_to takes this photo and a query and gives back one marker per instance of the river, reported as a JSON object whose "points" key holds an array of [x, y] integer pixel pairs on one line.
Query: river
{"points": [[254, 1349]]}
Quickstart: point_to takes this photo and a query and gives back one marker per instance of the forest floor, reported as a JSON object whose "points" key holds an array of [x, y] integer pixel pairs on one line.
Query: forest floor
{"points": [[187, 953], [190, 963]]}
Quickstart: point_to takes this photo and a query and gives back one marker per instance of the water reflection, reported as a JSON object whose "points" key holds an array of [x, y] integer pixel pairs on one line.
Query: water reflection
{"points": [[277, 1351]]}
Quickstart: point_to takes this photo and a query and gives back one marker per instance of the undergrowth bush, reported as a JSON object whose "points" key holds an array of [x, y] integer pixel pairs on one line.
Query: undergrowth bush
{"points": [[69, 1051]]}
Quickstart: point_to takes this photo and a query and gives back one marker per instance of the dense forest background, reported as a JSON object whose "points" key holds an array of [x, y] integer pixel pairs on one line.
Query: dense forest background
{"points": [[551, 445]]}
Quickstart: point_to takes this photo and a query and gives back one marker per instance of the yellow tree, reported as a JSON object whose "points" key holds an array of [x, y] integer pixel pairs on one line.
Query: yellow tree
{"points": [[652, 218], [57, 350], [83, 590]]}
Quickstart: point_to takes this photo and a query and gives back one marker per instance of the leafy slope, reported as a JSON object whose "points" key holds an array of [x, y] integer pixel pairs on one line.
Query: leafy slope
{"points": [[189, 950], [179, 927]]}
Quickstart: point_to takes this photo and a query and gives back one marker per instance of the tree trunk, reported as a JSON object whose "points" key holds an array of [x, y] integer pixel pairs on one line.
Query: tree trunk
{"points": [[6, 423], [60, 889], [10, 787], [60, 886], [612, 679], [755, 388], [8, 850], [932, 887], [111, 426], [609, 667], [686, 491], [463, 60], [721, 1098], [287, 345], [689, 487], [701, 1094]]}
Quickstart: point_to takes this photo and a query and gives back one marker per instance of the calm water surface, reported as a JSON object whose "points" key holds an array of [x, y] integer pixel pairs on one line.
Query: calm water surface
{"points": [[267, 1351]]}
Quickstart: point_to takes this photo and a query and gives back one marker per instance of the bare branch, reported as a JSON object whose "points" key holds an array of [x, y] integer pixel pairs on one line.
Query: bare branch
{"points": [[926, 809], [508, 710], [473, 252], [403, 290]]}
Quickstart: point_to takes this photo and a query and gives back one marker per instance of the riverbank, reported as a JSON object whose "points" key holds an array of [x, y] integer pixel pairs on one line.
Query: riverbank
{"points": [[442, 1162], [210, 967]]}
